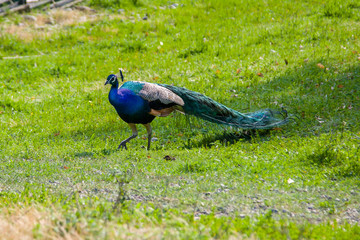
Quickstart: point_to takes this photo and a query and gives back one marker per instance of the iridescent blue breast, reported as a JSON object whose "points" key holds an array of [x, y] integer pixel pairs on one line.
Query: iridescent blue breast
{"points": [[130, 107]]}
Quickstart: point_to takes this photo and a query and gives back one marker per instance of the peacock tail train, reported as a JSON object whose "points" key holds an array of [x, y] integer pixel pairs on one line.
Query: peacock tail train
{"points": [[208, 109]]}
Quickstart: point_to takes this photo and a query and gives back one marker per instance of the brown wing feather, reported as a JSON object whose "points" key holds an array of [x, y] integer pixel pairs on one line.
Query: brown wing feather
{"points": [[153, 92]]}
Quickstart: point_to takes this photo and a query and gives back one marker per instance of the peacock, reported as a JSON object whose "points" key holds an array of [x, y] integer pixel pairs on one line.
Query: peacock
{"points": [[140, 102]]}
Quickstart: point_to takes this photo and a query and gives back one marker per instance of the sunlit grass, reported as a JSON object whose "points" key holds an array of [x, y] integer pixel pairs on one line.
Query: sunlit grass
{"points": [[59, 133]]}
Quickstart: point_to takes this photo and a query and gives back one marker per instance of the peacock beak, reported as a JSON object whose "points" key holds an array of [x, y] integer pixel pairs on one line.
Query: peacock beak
{"points": [[107, 81]]}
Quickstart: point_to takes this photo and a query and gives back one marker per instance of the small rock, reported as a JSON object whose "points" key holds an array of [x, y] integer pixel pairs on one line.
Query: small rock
{"points": [[284, 211], [274, 210], [121, 10], [221, 190], [242, 215], [327, 197], [173, 6], [207, 194], [262, 207], [84, 9], [290, 181], [154, 139], [50, 21], [221, 209], [199, 213], [146, 17], [290, 214], [30, 18], [169, 158]]}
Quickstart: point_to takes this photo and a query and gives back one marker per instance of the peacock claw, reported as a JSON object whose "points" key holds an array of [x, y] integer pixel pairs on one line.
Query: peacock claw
{"points": [[122, 145]]}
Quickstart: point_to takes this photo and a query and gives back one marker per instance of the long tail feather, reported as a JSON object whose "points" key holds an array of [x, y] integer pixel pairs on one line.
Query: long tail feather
{"points": [[206, 108]]}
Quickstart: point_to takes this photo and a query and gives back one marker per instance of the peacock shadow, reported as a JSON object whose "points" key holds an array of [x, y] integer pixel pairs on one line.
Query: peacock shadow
{"points": [[191, 132], [227, 138]]}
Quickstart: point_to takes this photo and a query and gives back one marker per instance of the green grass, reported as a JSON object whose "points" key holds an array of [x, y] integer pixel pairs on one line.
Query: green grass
{"points": [[59, 133]]}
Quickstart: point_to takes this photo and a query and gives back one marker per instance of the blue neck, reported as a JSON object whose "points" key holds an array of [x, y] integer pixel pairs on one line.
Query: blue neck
{"points": [[115, 85]]}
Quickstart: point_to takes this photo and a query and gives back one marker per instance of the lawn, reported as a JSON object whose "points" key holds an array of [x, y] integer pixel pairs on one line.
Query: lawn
{"points": [[63, 177]]}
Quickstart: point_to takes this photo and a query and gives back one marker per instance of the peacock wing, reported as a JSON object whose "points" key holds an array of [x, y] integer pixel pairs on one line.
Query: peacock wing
{"points": [[153, 92]]}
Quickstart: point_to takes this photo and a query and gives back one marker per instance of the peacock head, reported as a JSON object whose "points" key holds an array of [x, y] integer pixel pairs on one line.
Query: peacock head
{"points": [[113, 80]]}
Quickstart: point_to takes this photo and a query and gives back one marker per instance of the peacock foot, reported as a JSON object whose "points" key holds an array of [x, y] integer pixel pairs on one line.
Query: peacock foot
{"points": [[122, 145]]}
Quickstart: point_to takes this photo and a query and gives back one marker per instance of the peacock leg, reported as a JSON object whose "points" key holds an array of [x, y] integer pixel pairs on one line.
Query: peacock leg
{"points": [[134, 135], [149, 132]]}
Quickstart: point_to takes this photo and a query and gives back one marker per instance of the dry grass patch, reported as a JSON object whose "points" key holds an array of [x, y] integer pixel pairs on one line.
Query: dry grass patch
{"points": [[25, 32], [66, 18], [49, 223], [32, 222], [43, 25]]}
